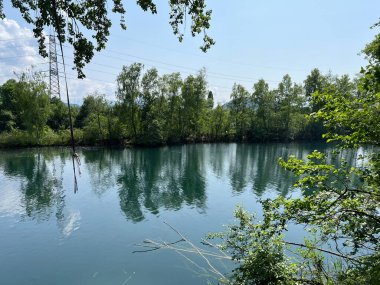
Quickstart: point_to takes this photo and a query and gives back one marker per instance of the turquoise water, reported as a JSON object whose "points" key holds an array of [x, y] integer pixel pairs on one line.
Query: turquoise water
{"points": [[51, 235]]}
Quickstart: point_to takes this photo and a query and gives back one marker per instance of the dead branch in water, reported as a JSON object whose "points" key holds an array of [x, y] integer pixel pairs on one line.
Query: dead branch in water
{"points": [[151, 245]]}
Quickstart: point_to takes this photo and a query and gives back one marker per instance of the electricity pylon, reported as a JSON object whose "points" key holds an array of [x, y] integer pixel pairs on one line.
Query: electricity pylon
{"points": [[53, 69]]}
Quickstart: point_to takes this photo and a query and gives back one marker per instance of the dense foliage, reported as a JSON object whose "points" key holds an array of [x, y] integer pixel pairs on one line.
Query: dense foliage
{"points": [[153, 109]]}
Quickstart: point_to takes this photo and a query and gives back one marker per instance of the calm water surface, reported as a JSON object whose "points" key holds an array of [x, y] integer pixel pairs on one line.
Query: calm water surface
{"points": [[51, 235]]}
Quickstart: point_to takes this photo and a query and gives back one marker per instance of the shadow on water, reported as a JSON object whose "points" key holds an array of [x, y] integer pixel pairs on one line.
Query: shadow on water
{"points": [[151, 180]]}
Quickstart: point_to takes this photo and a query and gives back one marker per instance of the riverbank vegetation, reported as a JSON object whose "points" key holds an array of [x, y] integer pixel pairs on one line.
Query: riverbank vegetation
{"points": [[151, 109]]}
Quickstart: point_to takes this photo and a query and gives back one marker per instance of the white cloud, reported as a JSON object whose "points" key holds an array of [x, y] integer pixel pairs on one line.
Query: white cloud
{"points": [[18, 49], [80, 88], [10, 29]]}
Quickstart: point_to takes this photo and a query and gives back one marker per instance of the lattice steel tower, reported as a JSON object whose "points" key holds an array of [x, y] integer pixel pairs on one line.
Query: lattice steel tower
{"points": [[53, 69]]}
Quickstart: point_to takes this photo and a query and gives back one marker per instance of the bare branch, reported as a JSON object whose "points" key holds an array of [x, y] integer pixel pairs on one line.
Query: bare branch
{"points": [[323, 250]]}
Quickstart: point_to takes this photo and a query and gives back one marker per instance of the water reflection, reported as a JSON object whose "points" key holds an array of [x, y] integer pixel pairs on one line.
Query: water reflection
{"points": [[156, 178], [101, 165], [39, 183], [146, 180]]}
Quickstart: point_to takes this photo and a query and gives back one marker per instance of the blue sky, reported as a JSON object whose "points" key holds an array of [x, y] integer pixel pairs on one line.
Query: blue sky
{"points": [[254, 39]]}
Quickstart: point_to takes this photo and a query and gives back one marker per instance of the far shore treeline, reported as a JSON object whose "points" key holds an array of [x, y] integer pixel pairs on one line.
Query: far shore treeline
{"points": [[152, 110]]}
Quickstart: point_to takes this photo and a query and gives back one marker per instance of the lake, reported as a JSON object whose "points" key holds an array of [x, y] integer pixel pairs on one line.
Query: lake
{"points": [[53, 232]]}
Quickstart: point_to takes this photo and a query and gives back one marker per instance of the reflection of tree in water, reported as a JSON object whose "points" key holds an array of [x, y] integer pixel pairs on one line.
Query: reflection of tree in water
{"points": [[239, 167], [40, 186], [38, 189], [268, 173], [130, 191], [101, 168], [194, 172], [160, 177], [257, 165], [218, 153], [151, 179], [18, 164], [282, 180]]}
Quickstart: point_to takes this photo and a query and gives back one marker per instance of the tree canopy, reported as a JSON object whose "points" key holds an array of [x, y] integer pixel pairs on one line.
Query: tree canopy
{"points": [[72, 20], [153, 109]]}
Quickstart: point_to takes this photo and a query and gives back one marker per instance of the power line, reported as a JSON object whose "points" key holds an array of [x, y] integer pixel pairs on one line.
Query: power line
{"points": [[116, 74], [213, 58], [209, 73], [184, 67], [17, 56], [179, 51], [17, 39], [37, 63], [8, 46], [113, 82]]}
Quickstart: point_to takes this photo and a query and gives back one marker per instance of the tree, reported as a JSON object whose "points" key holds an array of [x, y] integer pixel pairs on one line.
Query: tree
{"points": [[240, 109], [129, 94], [58, 119], [290, 102], [152, 109], [263, 105], [32, 103], [194, 91], [220, 123], [171, 85], [345, 86], [8, 116], [72, 20], [92, 117], [92, 104], [210, 100], [315, 81], [372, 50]]}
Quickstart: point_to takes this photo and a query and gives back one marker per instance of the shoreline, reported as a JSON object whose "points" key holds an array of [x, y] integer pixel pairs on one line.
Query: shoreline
{"points": [[137, 145]]}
